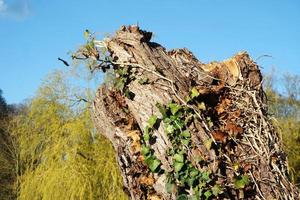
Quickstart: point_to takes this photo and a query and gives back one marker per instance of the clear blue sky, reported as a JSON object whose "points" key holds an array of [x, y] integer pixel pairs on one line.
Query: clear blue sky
{"points": [[34, 33]]}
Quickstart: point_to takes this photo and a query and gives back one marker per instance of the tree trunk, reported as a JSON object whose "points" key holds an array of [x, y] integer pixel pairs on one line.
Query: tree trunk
{"points": [[187, 130]]}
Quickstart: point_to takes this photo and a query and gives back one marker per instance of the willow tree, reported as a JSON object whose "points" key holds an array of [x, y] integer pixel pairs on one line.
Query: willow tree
{"points": [[60, 156], [8, 172], [183, 129]]}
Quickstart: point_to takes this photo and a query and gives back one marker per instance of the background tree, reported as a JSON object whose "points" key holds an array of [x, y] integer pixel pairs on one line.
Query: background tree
{"points": [[7, 153], [60, 155], [284, 105]]}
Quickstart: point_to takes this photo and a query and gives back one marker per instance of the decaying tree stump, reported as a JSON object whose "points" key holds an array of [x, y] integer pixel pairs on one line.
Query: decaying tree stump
{"points": [[187, 130]]}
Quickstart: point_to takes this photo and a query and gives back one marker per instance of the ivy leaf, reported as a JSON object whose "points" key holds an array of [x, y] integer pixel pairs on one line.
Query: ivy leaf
{"points": [[190, 181], [185, 141], [169, 129], [179, 124], [201, 106], [235, 166], [153, 165], [86, 34], [162, 110], [130, 95], [205, 177], [123, 71], [145, 150], [186, 134], [241, 182], [178, 157], [194, 93], [146, 136], [143, 81], [147, 130], [152, 120], [174, 108], [178, 166], [207, 194], [182, 197], [216, 190], [208, 143], [170, 187], [194, 173], [187, 99], [194, 197], [119, 84]]}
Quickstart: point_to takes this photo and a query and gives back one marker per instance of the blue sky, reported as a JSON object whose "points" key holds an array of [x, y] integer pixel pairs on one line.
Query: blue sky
{"points": [[33, 33]]}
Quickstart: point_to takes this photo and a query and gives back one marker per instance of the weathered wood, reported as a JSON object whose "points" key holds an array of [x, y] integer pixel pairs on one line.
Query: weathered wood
{"points": [[233, 95]]}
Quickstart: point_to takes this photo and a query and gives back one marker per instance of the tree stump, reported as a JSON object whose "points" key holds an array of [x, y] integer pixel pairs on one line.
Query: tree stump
{"points": [[183, 129]]}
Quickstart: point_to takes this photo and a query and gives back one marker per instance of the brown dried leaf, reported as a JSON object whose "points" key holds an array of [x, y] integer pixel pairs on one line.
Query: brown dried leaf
{"points": [[147, 180], [219, 136], [154, 197], [232, 129], [247, 167], [223, 105], [136, 144]]}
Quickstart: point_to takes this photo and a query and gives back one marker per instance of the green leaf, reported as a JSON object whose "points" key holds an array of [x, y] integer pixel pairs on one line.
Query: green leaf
{"points": [[143, 81], [185, 141], [186, 134], [174, 108], [205, 177], [182, 197], [201, 106], [216, 190], [170, 187], [130, 95], [119, 84], [179, 124], [178, 166], [194, 197], [190, 181], [194, 172], [145, 150], [146, 136], [187, 99], [169, 129], [162, 110], [86, 34], [241, 182], [123, 72], [210, 124], [207, 194], [208, 143], [153, 165], [194, 93], [178, 157], [152, 120]]}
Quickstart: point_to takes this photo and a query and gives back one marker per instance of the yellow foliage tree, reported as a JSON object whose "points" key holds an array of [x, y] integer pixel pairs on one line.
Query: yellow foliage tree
{"points": [[285, 106], [60, 154]]}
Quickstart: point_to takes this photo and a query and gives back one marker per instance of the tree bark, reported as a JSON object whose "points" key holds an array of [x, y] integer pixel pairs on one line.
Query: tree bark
{"points": [[232, 140]]}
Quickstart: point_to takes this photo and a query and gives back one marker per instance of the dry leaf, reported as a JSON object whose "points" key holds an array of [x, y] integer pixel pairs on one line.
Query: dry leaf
{"points": [[233, 129], [136, 144], [147, 180], [153, 197], [219, 136], [225, 103]]}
